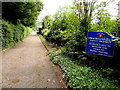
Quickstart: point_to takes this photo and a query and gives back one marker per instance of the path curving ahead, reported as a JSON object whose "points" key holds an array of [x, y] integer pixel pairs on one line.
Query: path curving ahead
{"points": [[27, 66]]}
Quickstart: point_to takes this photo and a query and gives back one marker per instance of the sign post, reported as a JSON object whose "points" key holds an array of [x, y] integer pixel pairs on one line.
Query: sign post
{"points": [[100, 43]]}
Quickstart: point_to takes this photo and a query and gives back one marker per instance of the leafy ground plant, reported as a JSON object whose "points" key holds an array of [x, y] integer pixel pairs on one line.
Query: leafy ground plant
{"points": [[79, 76]]}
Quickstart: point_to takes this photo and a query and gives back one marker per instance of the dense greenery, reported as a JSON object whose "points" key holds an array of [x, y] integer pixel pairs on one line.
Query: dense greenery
{"points": [[80, 76], [18, 17], [67, 30], [11, 34], [21, 12]]}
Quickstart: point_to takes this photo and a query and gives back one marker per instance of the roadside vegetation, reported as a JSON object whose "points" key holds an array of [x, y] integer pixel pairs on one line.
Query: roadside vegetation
{"points": [[18, 20], [11, 34], [67, 29], [78, 75]]}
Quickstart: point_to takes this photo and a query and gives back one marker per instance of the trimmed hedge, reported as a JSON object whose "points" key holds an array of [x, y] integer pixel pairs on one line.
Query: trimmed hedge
{"points": [[11, 34]]}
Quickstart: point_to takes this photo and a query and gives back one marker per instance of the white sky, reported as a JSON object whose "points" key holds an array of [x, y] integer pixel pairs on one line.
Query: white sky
{"points": [[113, 9], [51, 6]]}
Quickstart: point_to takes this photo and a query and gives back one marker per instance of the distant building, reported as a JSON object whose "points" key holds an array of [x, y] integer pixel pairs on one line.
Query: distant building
{"points": [[119, 11]]}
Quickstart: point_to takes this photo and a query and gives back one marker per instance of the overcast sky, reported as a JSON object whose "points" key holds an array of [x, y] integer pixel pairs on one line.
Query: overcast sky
{"points": [[51, 6]]}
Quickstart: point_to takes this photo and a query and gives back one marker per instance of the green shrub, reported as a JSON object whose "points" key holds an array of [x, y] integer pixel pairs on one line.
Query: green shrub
{"points": [[7, 34], [65, 31], [69, 32], [79, 76], [45, 32], [11, 34]]}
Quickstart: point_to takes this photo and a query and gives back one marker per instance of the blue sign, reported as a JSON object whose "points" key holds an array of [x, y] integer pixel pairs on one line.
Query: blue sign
{"points": [[100, 43]]}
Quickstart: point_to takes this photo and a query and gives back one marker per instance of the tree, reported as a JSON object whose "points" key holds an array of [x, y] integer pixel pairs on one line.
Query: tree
{"points": [[21, 12], [84, 10], [47, 22]]}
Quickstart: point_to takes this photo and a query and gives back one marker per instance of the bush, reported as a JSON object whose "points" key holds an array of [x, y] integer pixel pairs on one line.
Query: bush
{"points": [[80, 76], [11, 34], [69, 32], [45, 32], [65, 30], [7, 34]]}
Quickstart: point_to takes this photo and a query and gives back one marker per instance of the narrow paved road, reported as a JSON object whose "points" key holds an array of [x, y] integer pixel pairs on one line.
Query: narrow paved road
{"points": [[27, 66]]}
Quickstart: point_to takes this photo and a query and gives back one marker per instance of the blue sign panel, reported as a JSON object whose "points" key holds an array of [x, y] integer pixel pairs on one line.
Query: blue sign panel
{"points": [[100, 43]]}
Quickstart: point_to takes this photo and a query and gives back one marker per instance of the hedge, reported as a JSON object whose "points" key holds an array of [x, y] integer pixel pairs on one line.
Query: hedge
{"points": [[11, 34]]}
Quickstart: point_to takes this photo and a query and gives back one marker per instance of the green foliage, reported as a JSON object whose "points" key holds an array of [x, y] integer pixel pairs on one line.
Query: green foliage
{"points": [[7, 34], [47, 22], [84, 10], [80, 76], [65, 30], [68, 31], [24, 12], [104, 23], [108, 70], [11, 34], [45, 32]]}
